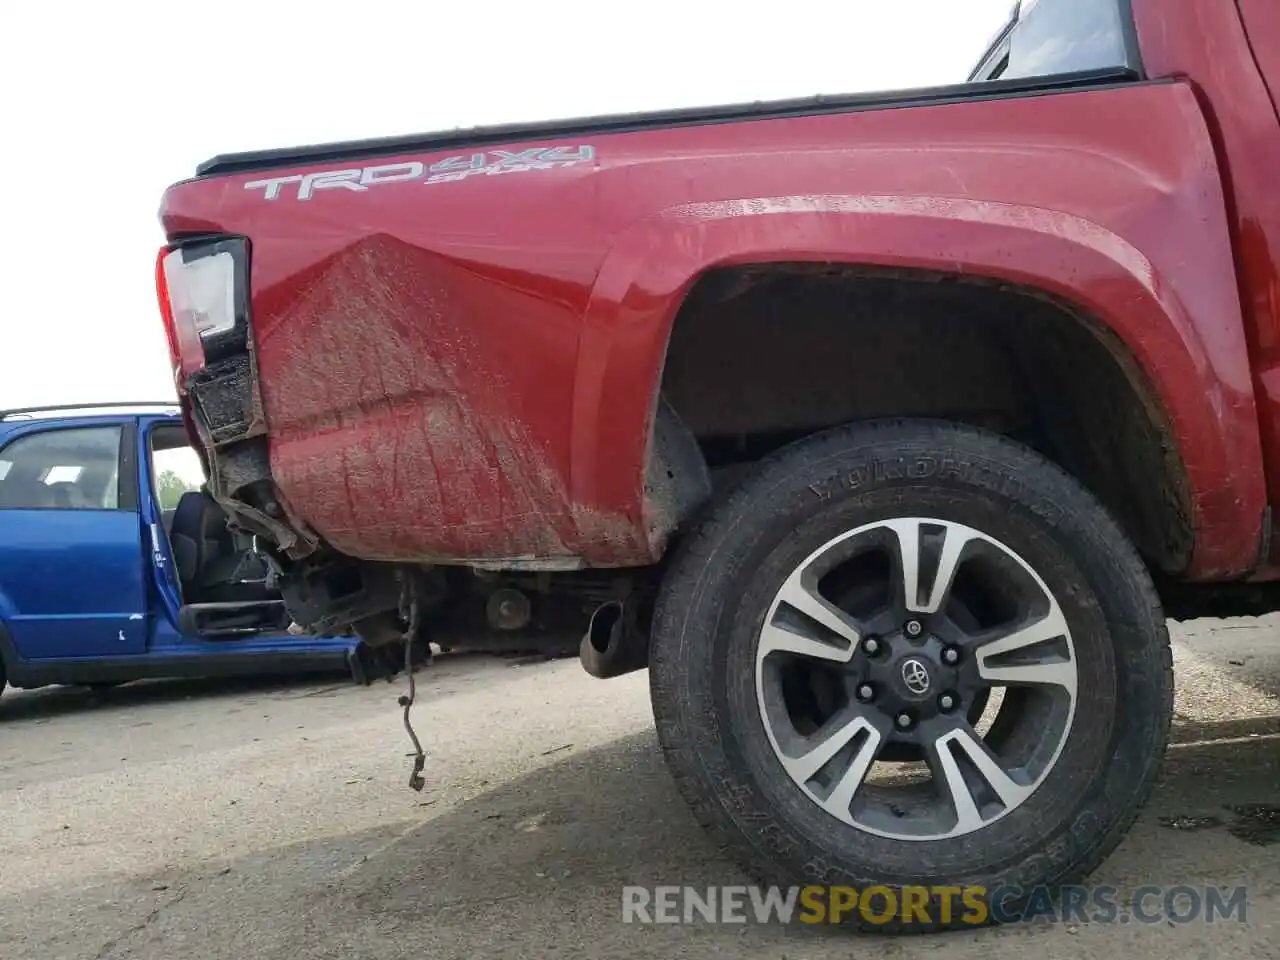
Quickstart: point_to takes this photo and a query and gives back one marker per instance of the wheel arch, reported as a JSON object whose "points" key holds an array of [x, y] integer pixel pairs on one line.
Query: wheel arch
{"points": [[1188, 381]]}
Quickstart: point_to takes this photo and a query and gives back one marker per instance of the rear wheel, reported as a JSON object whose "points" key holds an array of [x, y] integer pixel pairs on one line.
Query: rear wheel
{"points": [[912, 654]]}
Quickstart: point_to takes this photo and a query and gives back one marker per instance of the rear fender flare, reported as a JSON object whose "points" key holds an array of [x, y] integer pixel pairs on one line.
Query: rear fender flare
{"points": [[1201, 384]]}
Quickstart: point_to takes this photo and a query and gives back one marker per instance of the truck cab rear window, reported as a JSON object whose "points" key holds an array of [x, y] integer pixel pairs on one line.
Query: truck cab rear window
{"points": [[1044, 38]]}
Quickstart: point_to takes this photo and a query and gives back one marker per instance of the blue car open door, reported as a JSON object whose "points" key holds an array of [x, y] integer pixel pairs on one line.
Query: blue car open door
{"points": [[71, 550]]}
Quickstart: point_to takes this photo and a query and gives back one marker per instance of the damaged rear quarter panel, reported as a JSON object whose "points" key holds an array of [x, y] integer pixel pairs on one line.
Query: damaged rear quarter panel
{"points": [[467, 370], [399, 432]]}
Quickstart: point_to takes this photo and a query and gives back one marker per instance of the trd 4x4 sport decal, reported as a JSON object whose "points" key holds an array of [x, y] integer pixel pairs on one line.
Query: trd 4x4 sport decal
{"points": [[480, 163]]}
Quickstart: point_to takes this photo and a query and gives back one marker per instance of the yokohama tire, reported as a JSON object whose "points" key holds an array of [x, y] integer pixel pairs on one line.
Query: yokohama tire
{"points": [[716, 599]]}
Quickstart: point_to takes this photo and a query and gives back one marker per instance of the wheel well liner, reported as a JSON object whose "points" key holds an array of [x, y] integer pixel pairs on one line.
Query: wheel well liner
{"points": [[759, 355]]}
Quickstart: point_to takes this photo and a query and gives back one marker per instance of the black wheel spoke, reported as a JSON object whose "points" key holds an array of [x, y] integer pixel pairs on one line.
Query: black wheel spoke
{"points": [[928, 556]]}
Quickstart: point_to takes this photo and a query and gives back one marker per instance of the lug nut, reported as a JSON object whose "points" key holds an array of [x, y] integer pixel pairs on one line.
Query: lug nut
{"points": [[866, 692], [871, 646], [904, 721], [913, 628], [947, 702], [950, 656]]}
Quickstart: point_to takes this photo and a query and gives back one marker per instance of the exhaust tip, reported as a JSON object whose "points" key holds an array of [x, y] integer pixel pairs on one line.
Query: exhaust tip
{"points": [[601, 633], [612, 646]]}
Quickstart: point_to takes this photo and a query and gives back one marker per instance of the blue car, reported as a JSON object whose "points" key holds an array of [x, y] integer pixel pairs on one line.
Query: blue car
{"points": [[115, 565]]}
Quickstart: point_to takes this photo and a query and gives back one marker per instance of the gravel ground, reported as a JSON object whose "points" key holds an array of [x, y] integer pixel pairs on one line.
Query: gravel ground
{"points": [[270, 819]]}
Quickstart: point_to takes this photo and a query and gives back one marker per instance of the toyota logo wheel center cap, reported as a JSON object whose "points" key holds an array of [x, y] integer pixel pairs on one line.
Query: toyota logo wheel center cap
{"points": [[915, 676]]}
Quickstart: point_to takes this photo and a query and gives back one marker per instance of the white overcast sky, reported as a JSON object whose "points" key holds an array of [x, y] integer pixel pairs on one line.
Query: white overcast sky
{"points": [[107, 103]]}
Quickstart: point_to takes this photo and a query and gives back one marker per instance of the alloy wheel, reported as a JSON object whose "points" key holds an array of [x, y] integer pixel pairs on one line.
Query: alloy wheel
{"points": [[889, 643]]}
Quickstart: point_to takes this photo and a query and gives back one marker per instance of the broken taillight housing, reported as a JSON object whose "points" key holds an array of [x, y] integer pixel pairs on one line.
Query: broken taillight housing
{"points": [[201, 286]]}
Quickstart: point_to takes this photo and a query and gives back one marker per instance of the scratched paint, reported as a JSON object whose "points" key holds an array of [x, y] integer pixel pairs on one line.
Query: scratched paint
{"points": [[411, 450]]}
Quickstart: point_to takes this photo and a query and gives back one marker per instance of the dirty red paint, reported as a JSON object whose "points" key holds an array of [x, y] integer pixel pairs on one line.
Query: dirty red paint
{"points": [[468, 369], [1208, 41]]}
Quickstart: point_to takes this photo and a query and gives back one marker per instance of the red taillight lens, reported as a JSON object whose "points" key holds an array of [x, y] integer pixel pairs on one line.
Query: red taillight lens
{"points": [[166, 311]]}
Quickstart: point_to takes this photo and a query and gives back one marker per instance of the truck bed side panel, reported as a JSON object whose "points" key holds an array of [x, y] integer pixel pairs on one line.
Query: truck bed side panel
{"points": [[459, 352]]}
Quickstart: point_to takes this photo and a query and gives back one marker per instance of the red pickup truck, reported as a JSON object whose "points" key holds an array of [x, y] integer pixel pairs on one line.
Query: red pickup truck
{"points": [[883, 430]]}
